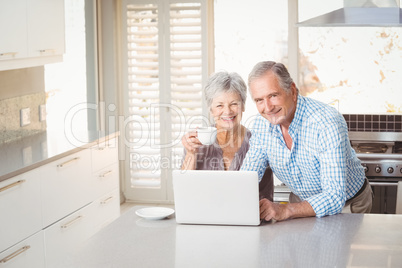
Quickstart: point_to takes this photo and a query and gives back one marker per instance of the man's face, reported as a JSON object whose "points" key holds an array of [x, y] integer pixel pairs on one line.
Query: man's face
{"points": [[272, 102]]}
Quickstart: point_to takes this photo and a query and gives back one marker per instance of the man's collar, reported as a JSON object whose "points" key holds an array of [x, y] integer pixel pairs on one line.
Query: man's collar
{"points": [[298, 117]]}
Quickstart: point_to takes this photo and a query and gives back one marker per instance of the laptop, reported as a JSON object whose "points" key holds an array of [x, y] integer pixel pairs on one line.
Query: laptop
{"points": [[216, 197]]}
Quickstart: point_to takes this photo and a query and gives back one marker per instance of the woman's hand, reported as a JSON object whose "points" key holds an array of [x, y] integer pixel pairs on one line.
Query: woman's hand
{"points": [[190, 142]]}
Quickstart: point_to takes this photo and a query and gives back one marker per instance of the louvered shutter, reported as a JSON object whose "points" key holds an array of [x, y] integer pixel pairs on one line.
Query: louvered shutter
{"points": [[165, 68], [186, 70]]}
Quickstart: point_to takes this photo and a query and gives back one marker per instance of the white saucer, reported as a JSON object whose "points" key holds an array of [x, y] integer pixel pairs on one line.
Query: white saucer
{"points": [[154, 213]]}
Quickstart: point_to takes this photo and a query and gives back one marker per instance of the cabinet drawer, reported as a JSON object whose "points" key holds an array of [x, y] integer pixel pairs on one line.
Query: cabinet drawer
{"points": [[104, 154], [65, 235], [106, 209], [66, 186], [28, 253], [20, 208], [104, 180]]}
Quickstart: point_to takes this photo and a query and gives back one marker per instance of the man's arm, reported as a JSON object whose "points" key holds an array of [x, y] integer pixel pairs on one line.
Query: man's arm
{"points": [[332, 140], [256, 158], [280, 212]]}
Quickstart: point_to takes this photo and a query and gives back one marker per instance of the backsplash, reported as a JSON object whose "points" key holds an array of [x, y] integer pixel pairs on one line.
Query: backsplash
{"points": [[10, 122], [374, 122]]}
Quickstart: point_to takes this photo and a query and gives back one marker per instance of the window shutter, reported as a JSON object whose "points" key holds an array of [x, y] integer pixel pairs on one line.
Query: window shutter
{"points": [[186, 70], [143, 90], [165, 67]]}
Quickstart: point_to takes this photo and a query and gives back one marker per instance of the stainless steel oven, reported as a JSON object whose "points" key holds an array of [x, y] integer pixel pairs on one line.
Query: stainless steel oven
{"points": [[381, 156]]}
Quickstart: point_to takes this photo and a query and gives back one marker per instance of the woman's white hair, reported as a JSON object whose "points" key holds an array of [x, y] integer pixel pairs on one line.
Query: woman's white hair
{"points": [[224, 82]]}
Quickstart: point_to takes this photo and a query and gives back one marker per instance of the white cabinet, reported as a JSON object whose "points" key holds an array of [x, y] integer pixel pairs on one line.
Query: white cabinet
{"points": [[104, 154], [20, 208], [13, 29], [48, 211], [45, 27], [63, 236], [33, 33], [66, 186], [107, 209], [105, 182], [26, 254]]}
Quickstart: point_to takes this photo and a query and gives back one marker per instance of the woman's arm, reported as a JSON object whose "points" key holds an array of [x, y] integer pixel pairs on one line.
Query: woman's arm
{"points": [[189, 162], [191, 145]]}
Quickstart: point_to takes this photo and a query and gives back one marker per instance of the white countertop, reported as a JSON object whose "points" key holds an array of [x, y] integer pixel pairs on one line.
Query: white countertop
{"points": [[344, 240], [33, 151]]}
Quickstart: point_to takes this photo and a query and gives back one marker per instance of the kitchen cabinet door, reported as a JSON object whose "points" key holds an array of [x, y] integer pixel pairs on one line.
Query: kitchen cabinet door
{"points": [[66, 186], [20, 208], [26, 254], [104, 154], [45, 27], [106, 209], [65, 235], [105, 180], [13, 29]]}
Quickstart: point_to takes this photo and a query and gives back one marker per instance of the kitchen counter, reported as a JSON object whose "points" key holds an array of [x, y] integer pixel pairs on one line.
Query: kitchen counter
{"points": [[36, 150], [343, 240]]}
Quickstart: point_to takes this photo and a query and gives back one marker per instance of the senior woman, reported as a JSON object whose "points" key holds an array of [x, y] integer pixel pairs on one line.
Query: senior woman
{"points": [[225, 95]]}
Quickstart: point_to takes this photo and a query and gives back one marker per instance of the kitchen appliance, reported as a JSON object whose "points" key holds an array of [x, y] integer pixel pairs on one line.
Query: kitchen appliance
{"points": [[381, 156], [362, 13]]}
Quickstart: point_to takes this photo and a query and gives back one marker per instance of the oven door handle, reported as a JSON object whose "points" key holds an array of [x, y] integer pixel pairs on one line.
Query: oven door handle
{"points": [[374, 183]]}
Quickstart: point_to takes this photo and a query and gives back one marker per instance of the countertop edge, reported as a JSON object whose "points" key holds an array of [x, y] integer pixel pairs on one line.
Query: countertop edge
{"points": [[59, 156]]}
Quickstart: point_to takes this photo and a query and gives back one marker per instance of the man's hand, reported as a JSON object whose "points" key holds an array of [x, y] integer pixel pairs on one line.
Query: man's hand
{"points": [[279, 212], [272, 211]]}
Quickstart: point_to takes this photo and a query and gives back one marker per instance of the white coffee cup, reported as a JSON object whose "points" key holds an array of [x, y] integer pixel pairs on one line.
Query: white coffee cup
{"points": [[206, 135]]}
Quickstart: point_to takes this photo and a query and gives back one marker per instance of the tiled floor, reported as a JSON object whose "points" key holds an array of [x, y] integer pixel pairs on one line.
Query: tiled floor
{"points": [[127, 205]]}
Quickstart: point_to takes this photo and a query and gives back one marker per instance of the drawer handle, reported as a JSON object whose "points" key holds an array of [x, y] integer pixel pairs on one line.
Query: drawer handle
{"points": [[47, 50], [68, 224], [68, 162], [107, 200], [8, 54], [11, 185], [15, 254], [107, 173]]}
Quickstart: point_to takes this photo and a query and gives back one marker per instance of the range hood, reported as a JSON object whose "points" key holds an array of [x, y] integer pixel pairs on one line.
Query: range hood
{"points": [[360, 13]]}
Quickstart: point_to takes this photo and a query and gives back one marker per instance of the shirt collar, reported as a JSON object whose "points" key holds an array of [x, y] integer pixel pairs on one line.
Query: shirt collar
{"points": [[298, 118]]}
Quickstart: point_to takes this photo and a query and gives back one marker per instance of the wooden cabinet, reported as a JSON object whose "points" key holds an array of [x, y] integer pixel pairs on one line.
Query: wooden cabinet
{"points": [[33, 31], [20, 208]]}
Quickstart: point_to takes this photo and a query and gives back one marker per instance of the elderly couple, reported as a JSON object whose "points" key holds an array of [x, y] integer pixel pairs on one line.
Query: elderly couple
{"points": [[302, 141]]}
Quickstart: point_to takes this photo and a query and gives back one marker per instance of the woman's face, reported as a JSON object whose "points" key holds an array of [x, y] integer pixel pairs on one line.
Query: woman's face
{"points": [[227, 109]]}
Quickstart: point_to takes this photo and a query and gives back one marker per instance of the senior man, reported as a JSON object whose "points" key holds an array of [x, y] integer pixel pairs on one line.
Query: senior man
{"points": [[306, 144]]}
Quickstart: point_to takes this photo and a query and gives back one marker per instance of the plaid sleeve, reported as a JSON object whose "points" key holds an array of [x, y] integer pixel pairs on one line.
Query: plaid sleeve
{"points": [[256, 158], [332, 159]]}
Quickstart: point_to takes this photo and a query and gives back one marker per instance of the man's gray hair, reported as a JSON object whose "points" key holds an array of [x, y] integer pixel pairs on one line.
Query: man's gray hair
{"points": [[224, 82], [278, 69]]}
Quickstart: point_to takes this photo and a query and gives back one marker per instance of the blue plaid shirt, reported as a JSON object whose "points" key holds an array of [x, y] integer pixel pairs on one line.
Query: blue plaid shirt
{"points": [[321, 167]]}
